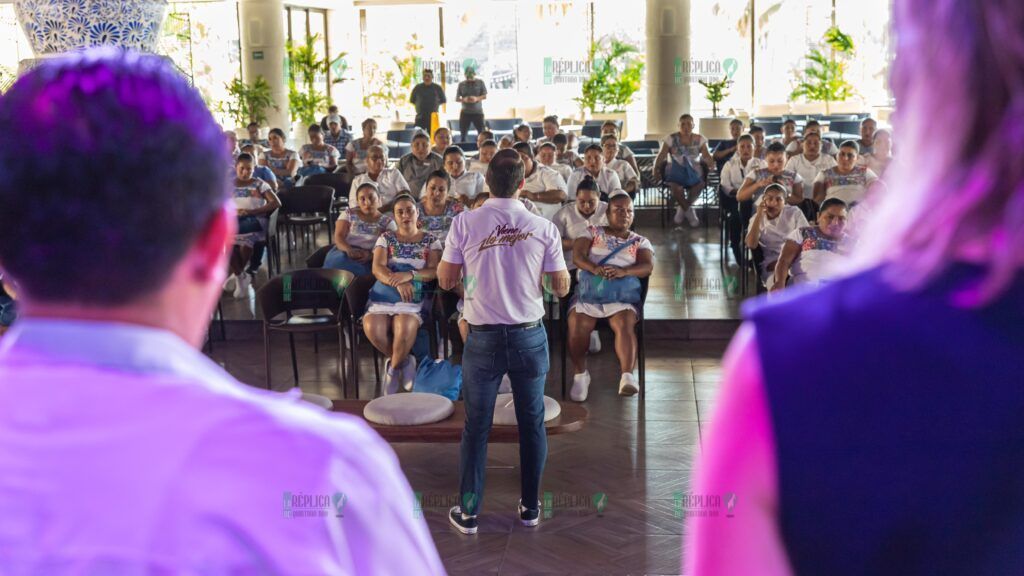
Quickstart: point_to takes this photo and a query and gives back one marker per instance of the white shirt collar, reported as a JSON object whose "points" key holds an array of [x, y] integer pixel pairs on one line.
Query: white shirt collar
{"points": [[504, 203]]}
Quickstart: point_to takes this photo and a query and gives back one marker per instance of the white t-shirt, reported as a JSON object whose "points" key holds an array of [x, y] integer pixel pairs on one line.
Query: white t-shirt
{"points": [[468, 184], [542, 180], [504, 251], [127, 451], [774, 233], [820, 257], [602, 244], [363, 234], [809, 170], [564, 170], [313, 157], [623, 170], [571, 224], [849, 188], [607, 181], [734, 172], [390, 183]]}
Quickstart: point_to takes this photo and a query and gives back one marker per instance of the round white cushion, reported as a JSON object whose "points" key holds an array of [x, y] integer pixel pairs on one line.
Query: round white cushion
{"points": [[506, 415], [410, 409], [321, 401]]}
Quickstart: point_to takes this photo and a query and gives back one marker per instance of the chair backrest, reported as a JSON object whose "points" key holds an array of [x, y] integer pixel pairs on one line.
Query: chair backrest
{"points": [[503, 123], [643, 146], [591, 130], [845, 127], [317, 259], [321, 289], [770, 128], [537, 131], [761, 119], [272, 223], [402, 136], [336, 181], [357, 294], [307, 200]]}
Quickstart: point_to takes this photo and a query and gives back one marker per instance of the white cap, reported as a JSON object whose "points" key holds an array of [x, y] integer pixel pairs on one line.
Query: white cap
{"points": [[334, 119]]}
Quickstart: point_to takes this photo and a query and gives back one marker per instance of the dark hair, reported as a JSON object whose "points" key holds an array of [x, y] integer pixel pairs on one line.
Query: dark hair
{"points": [[489, 134], [367, 121], [683, 116], [775, 148], [789, 121], [755, 128], [545, 145], [332, 108], [403, 197], [551, 120], [745, 138], [420, 135], [851, 144], [608, 137], [523, 126], [610, 123], [830, 202], [812, 123], [438, 174], [560, 138], [593, 147], [453, 150], [315, 129], [428, 71], [278, 132], [251, 124], [736, 121], [615, 196], [587, 183], [505, 173], [868, 119], [243, 157], [775, 186], [524, 148], [487, 143], [117, 242], [370, 185]]}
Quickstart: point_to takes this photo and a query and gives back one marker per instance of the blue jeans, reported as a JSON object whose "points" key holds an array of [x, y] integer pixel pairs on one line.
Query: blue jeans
{"points": [[338, 260], [523, 355]]}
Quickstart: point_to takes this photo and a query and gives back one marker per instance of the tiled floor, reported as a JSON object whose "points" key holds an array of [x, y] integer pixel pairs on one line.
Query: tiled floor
{"points": [[639, 459], [687, 282]]}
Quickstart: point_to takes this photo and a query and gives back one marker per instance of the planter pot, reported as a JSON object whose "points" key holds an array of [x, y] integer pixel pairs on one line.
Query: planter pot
{"points": [[55, 26], [714, 128], [300, 134]]}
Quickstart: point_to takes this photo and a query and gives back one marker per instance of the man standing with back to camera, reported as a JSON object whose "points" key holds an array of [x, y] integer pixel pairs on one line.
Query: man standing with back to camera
{"points": [[510, 253]]}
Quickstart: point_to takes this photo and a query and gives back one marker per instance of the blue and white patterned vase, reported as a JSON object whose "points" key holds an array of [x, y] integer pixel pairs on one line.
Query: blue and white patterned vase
{"points": [[55, 26]]}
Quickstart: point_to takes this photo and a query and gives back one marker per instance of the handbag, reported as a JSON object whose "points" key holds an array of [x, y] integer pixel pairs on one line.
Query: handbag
{"points": [[439, 377], [682, 174], [381, 293], [249, 224], [593, 289]]}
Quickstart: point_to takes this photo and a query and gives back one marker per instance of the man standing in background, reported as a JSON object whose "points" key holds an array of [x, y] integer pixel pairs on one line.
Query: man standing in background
{"points": [[472, 91], [427, 97]]}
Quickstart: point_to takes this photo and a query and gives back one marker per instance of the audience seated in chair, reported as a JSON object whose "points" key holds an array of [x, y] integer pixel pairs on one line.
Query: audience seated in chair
{"points": [[284, 163], [259, 144], [734, 172], [593, 166], [565, 154], [337, 132], [683, 151], [436, 208], [358, 148], [551, 129], [760, 149], [623, 153], [356, 232], [881, 155], [262, 172], [389, 181], [773, 171], [543, 186], [827, 147], [420, 163], [522, 133], [814, 254], [442, 141], [546, 154], [789, 136], [487, 151], [631, 255], [506, 142], [770, 227], [254, 201], [465, 185], [317, 157], [726, 148], [811, 161], [846, 181], [629, 178], [232, 143], [866, 143], [403, 260]]}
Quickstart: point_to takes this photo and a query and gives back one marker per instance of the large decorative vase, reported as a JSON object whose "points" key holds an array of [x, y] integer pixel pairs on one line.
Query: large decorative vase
{"points": [[55, 26]]}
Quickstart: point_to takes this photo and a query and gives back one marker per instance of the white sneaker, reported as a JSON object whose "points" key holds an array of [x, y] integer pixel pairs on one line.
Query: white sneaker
{"points": [[595, 343], [242, 290], [408, 373], [506, 385], [627, 385], [392, 379], [230, 282], [691, 217], [678, 218], [580, 386]]}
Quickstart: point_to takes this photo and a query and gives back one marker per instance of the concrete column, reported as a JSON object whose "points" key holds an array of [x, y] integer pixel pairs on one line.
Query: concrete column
{"points": [[668, 44], [261, 31]]}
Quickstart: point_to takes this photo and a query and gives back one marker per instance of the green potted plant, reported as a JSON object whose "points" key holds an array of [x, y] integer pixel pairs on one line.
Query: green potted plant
{"points": [[823, 79], [715, 91], [616, 72], [248, 103], [304, 67]]}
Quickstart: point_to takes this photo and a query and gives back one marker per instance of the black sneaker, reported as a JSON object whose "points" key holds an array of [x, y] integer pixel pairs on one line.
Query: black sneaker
{"points": [[462, 523], [529, 517]]}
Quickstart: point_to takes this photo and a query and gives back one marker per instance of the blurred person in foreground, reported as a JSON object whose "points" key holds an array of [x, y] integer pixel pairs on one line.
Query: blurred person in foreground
{"points": [[894, 448], [125, 450]]}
